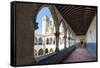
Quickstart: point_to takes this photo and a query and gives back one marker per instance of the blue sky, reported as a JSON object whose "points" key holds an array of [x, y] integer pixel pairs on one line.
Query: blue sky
{"points": [[42, 12]]}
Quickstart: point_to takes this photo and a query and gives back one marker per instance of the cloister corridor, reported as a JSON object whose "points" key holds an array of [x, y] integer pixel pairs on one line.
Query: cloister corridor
{"points": [[55, 34], [61, 41]]}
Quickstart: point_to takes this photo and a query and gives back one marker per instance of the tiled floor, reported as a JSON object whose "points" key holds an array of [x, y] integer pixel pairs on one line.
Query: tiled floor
{"points": [[80, 54]]}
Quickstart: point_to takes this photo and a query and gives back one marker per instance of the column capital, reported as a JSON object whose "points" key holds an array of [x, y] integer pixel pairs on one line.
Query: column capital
{"points": [[35, 26], [57, 41], [57, 34]]}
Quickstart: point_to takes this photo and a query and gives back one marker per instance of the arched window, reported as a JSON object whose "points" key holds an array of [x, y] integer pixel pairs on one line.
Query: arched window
{"points": [[50, 40], [54, 41], [47, 41], [35, 52], [40, 41], [46, 50], [51, 50], [35, 41], [40, 52]]}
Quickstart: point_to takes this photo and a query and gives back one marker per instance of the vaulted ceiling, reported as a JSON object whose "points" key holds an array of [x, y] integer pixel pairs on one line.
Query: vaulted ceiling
{"points": [[78, 17]]}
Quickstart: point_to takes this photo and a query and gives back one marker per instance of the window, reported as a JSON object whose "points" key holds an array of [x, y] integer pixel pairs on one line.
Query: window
{"points": [[35, 52], [54, 41], [50, 40], [35, 41], [47, 41], [40, 41]]}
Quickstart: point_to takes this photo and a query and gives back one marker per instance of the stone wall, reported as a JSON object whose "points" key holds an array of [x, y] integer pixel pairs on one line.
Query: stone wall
{"points": [[24, 48]]}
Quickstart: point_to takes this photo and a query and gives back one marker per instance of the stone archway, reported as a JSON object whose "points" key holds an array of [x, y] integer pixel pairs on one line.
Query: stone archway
{"points": [[64, 28], [53, 13]]}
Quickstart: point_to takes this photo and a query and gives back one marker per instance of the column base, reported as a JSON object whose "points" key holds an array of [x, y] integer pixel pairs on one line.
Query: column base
{"points": [[57, 50]]}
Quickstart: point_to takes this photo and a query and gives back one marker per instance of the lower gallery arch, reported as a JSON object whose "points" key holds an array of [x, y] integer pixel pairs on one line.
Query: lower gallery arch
{"points": [[46, 50], [40, 52], [51, 50], [35, 52]]}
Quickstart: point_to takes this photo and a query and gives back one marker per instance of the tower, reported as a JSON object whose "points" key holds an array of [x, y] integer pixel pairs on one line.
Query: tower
{"points": [[51, 23], [45, 24]]}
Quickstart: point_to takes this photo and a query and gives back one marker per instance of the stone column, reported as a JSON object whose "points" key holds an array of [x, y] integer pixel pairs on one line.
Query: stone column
{"points": [[35, 27], [24, 34], [57, 41], [65, 41], [69, 38], [65, 38], [44, 44], [33, 34]]}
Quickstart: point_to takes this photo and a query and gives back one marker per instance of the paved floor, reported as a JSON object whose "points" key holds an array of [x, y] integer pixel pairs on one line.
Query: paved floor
{"points": [[80, 54]]}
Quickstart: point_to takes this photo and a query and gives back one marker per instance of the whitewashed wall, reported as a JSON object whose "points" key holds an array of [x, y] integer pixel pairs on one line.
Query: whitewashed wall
{"points": [[91, 37], [91, 33]]}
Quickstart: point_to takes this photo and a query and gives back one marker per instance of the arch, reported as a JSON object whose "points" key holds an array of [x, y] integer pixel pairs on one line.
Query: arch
{"points": [[54, 41], [51, 50], [63, 25], [35, 52], [50, 40], [40, 52], [47, 41], [53, 13], [61, 28], [35, 41], [52, 10], [40, 41], [46, 50]]}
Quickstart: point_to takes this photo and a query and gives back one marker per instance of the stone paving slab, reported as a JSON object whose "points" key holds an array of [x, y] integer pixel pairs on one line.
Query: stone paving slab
{"points": [[80, 54]]}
